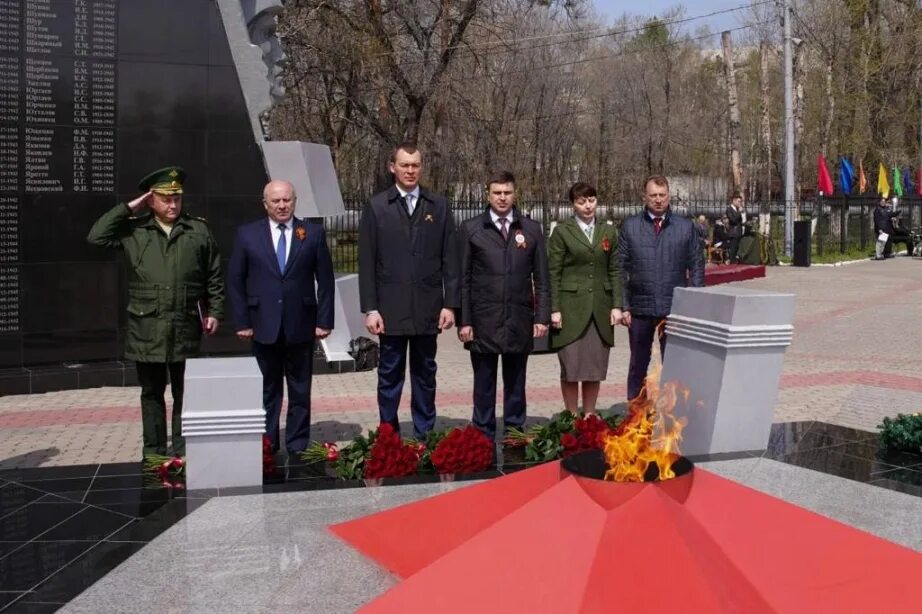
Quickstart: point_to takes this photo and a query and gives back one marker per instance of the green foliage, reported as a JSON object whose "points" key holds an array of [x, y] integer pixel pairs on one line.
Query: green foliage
{"points": [[433, 438], [351, 462], [903, 433], [544, 444]]}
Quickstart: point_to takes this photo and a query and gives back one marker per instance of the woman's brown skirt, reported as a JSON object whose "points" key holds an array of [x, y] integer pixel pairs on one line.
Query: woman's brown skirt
{"points": [[586, 359]]}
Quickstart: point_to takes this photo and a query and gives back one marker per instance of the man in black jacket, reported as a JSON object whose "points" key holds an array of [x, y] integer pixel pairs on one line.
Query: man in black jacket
{"points": [[658, 251], [736, 218], [883, 225], [408, 285], [505, 301]]}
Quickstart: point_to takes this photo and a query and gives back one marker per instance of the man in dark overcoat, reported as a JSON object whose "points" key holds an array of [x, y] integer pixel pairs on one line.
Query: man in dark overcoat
{"points": [[659, 251], [505, 301], [408, 286]]}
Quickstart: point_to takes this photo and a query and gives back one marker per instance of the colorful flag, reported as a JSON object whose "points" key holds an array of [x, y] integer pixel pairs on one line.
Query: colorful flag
{"points": [[823, 180], [897, 182], [919, 181], [846, 175], [908, 186], [862, 178], [883, 186]]}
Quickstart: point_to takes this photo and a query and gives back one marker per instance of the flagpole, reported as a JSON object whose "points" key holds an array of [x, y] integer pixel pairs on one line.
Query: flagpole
{"points": [[788, 132]]}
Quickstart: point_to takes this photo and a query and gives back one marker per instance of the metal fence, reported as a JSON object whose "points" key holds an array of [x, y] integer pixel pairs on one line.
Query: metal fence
{"points": [[839, 225]]}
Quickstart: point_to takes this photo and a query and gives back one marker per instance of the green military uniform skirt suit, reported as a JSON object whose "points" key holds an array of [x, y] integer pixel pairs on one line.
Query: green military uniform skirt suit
{"points": [[585, 287]]}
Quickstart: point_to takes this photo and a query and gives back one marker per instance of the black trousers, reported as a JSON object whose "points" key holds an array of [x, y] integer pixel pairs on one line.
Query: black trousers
{"points": [[640, 335], [152, 376], [292, 363], [485, 371]]}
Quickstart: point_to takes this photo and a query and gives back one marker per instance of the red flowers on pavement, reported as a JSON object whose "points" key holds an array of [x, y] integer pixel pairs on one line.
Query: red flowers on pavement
{"points": [[463, 451], [390, 456]]}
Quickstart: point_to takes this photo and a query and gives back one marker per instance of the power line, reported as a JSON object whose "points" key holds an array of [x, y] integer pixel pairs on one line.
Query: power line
{"points": [[391, 87], [601, 33]]}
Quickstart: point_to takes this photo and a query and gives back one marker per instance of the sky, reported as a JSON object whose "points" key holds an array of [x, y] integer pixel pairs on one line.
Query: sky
{"points": [[612, 9]]}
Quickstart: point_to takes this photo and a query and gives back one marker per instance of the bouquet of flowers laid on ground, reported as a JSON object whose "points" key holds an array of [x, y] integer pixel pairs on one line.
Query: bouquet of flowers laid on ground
{"points": [[463, 451], [320, 452], [390, 456], [166, 471], [565, 434], [268, 457], [425, 449]]}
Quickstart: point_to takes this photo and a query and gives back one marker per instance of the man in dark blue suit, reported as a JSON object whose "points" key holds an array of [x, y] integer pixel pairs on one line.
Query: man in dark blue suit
{"points": [[271, 277]]}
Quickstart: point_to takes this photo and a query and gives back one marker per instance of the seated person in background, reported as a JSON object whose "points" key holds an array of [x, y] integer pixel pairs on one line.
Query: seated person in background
{"points": [[900, 233]]}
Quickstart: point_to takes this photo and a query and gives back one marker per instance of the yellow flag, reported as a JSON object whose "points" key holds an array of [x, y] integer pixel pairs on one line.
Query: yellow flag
{"points": [[883, 186], [862, 179]]}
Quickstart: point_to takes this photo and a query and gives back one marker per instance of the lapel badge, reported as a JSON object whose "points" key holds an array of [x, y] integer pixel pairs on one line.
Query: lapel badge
{"points": [[428, 217], [300, 233], [520, 240]]}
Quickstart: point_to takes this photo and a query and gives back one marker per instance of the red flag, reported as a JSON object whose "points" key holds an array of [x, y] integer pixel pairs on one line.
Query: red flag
{"points": [[919, 182], [823, 179]]}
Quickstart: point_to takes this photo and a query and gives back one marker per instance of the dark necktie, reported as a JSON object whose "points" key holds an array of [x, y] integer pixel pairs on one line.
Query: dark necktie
{"points": [[280, 248], [657, 224], [502, 228]]}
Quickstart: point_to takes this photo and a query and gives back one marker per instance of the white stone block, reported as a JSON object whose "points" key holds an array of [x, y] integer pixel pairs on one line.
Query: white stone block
{"points": [[348, 320], [309, 167], [726, 345], [223, 422]]}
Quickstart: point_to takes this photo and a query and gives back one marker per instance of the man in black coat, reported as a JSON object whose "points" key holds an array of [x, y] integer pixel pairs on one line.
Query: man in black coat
{"points": [[883, 225], [408, 285], [505, 301], [659, 252], [736, 218]]}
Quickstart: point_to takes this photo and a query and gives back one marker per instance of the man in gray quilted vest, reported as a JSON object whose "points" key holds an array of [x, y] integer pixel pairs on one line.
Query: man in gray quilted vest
{"points": [[658, 251]]}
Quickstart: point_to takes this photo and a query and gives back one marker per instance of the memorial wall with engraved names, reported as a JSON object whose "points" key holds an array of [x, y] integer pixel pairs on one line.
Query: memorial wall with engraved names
{"points": [[94, 94]]}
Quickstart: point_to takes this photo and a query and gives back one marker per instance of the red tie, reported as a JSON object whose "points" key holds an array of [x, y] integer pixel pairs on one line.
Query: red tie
{"points": [[657, 224]]}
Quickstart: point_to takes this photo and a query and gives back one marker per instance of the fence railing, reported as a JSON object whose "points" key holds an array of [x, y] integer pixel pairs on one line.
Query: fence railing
{"points": [[840, 224]]}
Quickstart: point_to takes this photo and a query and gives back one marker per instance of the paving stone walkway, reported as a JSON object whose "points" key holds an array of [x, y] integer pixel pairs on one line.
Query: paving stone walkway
{"points": [[854, 360]]}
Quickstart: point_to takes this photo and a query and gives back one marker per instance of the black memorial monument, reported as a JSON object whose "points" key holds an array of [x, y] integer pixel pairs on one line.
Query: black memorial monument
{"points": [[93, 95]]}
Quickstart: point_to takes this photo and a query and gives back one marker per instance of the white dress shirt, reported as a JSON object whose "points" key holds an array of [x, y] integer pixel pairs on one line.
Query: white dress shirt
{"points": [[590, 227], [411, 198], [276, 235], [496, 223]]}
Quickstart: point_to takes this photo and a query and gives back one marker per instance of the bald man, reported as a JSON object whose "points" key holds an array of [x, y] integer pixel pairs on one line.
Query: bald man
{"points": [[271, 285]]}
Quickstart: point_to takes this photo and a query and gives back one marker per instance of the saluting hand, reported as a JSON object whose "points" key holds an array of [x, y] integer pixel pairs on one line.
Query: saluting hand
{"points": [[139, 203]]}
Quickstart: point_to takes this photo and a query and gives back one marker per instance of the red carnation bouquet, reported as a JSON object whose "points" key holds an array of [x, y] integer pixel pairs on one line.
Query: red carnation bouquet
{"points": [[463, 451], [268, 457], [390, 456]]}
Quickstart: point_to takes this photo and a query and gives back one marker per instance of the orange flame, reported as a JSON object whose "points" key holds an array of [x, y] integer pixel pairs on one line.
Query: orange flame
{"points": [[649, 435]]}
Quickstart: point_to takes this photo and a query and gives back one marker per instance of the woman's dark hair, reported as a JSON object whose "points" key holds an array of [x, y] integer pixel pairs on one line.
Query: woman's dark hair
{"points": [[581, 190]]}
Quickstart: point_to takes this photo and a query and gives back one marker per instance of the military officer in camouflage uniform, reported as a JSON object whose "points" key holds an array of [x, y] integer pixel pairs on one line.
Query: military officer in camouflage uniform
{"points": [[175, 293]]}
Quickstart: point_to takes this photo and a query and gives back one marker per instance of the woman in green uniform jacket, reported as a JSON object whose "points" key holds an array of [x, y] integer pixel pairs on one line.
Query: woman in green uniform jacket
{"points": [[585, 298]]}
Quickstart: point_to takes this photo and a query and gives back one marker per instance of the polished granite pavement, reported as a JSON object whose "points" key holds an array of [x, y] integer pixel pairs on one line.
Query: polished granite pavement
{"points": [[63, 529]]}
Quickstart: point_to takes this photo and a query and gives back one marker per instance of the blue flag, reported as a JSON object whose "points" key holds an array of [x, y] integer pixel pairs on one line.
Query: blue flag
{"points": [[846, 175], [908, 186]]}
